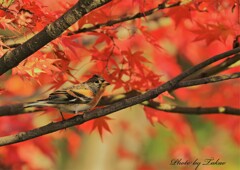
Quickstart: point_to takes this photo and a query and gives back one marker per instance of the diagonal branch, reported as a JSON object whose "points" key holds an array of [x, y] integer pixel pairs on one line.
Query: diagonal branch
{"points": [[80, 119], [15, 109], [215, 69], [52, 31], [207, 80], [107, 100]]}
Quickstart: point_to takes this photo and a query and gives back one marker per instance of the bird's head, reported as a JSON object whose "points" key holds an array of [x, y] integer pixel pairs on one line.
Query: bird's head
{"points": [[98, 81]]}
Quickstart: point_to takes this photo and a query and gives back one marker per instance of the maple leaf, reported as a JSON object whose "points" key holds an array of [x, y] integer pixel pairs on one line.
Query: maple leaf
{"points": [[215, 5], [70, 47], [180, 14], [212, 32], [5, 23], [94, 17], [24, 18], [150, 38], [145, 4], [176, 123], [135, 59], [167, 64], [101, 125]]}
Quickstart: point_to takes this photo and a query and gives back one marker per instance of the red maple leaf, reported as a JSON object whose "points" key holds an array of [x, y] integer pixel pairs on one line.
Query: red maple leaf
{"points": [[212, 32], [175, 122], [101, 125]]}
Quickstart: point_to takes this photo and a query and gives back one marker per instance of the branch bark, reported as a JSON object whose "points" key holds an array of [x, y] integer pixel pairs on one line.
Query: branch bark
{"points": [[107, 100], [192, 110], [52, 31], [80, 119], [15, 109], [215, 69]]}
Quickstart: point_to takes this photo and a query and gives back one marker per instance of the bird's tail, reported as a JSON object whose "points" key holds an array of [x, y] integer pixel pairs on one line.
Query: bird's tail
{"points": [[39, 103]]}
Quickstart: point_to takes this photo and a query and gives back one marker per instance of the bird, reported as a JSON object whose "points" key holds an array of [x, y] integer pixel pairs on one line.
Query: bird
{"points": [[75, 99]]}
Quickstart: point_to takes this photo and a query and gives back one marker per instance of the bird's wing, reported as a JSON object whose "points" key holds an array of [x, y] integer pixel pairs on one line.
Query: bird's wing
{"points": [[71, 96]]}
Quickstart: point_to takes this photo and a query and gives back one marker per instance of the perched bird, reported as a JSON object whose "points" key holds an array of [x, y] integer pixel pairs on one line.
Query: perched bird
{"points": [[78, 98]]}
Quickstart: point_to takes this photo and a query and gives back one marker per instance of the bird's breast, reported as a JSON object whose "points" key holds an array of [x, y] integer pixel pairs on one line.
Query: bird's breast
{"points": [[74, 108]]}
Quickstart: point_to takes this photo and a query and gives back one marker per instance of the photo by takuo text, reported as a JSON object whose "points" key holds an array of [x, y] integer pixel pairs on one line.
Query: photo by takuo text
{"points": [[197, 162]]}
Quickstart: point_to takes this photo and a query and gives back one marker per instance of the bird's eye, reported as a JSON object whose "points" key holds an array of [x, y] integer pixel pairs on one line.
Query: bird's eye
{"points": [[96, 81]]}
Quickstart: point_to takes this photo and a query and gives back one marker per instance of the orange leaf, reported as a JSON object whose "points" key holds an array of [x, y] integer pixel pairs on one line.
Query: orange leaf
{"points": [[101, 125]]}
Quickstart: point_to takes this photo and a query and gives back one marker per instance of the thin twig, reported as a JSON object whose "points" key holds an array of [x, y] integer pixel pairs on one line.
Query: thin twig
{"points": [[215, 69], [192, 110], [117, 21], [127, 18]]}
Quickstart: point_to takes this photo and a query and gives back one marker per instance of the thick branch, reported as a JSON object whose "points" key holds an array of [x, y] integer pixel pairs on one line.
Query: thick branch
{"points": [[52, 31], [80, 119]]}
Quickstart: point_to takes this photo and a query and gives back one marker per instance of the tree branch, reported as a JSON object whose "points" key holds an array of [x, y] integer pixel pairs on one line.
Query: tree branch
{"points": [[192, 110], [11, 110], [127, 18], [215, 69], [107, 100], [116, 21], [52, 31], [207, 80], [80, 119]]}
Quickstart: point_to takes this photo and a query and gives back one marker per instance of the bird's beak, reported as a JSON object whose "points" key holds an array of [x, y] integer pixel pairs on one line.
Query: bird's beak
{"points": [[106, 83]]}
